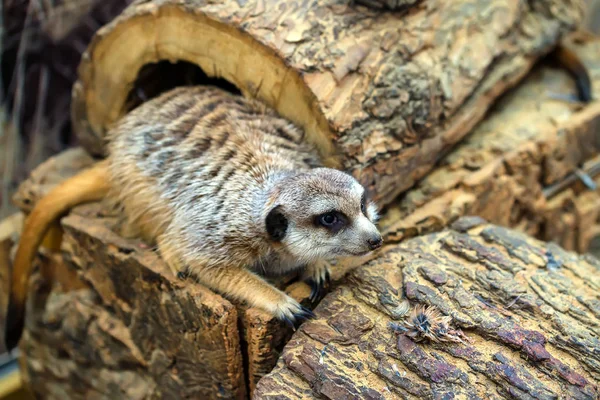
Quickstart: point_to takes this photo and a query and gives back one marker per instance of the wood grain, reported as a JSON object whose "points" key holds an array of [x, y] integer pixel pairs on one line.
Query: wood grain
{"points": [[117, 324], [382, 94], [528, 309], [533, 137]]}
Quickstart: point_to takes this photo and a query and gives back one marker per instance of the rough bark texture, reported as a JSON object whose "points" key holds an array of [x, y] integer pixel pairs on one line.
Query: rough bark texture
{"points": [[530, 312], [382, 94], [534, 137], [117, 324]]}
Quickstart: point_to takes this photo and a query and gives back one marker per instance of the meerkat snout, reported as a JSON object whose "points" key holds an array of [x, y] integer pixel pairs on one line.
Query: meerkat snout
{"points": [[368, 234], [375, 242]]}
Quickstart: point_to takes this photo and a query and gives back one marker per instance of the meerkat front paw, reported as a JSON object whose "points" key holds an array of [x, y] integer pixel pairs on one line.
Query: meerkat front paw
{"points": [[317, 275], [292, 313]]}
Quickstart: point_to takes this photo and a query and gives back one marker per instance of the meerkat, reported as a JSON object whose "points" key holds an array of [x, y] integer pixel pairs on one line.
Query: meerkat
{"points": [[227, 191]]}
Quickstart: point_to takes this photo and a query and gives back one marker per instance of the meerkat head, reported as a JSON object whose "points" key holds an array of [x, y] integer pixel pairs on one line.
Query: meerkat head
{"points": [[322, 214]]}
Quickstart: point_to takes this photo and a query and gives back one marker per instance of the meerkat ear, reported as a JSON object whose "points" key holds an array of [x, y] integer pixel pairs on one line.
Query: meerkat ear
{"points": [[277, 224]]}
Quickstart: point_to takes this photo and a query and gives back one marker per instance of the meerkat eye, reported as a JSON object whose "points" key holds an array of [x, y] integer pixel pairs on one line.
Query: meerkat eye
{"points": [[333, 221], [328, 219], [363, 207]]}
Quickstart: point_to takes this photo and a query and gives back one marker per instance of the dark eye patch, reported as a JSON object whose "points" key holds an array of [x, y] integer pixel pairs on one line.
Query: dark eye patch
{"points": [[333, 221], [363, 204], [277, 224]]}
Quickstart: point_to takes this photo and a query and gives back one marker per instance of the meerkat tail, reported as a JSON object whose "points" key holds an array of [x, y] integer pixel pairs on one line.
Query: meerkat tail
{"points": [[89, 185], [571, 62]]}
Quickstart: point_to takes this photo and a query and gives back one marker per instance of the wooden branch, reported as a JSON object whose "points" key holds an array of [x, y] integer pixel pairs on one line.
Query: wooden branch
{"points": [[535, 137], [585, 176], [527, 310], [382, 94]]}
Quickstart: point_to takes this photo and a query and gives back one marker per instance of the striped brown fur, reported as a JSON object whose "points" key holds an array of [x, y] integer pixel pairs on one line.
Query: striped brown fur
{"points": [[228, 190]]}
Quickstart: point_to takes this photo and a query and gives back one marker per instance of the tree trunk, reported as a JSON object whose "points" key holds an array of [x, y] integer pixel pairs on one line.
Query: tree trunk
{"points": [[506, 170], [382, 94], [524, 318]]}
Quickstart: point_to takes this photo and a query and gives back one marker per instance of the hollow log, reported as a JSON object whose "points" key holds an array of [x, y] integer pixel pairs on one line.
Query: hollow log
{"points": [[523, 314], [506, 169], [381, 94]]}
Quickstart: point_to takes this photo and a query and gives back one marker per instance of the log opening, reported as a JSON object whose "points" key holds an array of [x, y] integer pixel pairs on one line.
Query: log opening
{"points": [[156, 78], [181, 34]]}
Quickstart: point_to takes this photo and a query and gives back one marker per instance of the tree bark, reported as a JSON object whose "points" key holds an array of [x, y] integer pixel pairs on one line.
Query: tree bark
{"points": [[528, 311], [533, 138], [382, 94], [117, 324]]}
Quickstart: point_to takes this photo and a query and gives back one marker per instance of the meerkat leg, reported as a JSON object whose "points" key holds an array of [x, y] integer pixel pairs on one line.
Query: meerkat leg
{"points": [[241, 284], [237, 283], [128, 230], [317, 275], [169, 254]]}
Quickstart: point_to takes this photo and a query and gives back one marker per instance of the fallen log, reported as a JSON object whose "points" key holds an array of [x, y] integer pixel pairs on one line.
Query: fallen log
{"points": [[516, 318], [535, 137], [382, 94]]}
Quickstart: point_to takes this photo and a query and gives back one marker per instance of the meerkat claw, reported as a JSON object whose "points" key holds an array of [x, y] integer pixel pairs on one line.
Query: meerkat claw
{"points": [[317, 276], [315, 290], [304, 315], [294, 321], [288, 321]]}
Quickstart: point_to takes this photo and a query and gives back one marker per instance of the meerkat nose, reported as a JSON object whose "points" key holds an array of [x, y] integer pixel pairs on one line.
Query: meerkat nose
{"points": [[375, 242]]}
